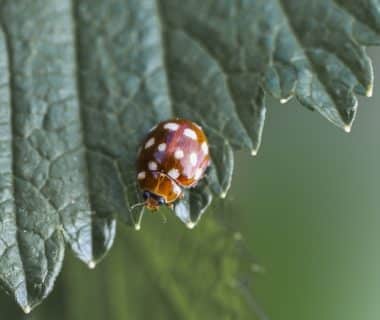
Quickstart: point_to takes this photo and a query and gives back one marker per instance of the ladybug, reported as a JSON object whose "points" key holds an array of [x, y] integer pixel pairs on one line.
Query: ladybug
{"points": [[173, 156]]}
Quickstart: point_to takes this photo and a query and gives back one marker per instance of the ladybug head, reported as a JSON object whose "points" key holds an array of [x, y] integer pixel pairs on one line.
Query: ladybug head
{"points": [[158, 189], [153, 201]]}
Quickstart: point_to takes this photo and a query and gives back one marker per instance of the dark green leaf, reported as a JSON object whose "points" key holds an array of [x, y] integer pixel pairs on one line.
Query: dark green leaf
{"points": [[219, 175], [194, 204], [82, 81]]}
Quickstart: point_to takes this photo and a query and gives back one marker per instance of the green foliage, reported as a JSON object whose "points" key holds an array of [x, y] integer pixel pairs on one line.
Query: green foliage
{"points": [[82, 81], [158, 273]]}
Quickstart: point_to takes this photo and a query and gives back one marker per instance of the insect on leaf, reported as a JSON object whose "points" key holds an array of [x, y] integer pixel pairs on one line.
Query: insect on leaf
{"points": [[82, 82]]}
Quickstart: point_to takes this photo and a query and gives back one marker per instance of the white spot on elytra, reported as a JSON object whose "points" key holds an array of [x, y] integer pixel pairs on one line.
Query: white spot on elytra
{"points": [[190, 133], [154, 127], [204, 147], [152, 165], [171, 126], [174, 173], [198, 173], [176, 188], [193, 159], [162, 147], [149, 143], [178, 154], [141, 175]]}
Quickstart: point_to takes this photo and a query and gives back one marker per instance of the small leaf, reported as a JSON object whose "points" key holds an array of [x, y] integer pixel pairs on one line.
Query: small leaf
{"points": [[194, 204], [219, 175]]}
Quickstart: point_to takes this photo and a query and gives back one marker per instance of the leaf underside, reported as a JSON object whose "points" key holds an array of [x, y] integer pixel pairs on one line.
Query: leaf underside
{"points": [[81, 82]]}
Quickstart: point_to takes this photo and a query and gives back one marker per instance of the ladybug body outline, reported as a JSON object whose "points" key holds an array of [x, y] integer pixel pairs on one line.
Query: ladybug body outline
{"points": [[174, 155]]}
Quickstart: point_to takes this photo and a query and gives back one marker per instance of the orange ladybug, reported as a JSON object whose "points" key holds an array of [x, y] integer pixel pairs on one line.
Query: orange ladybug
{"points": [[174, 155]]}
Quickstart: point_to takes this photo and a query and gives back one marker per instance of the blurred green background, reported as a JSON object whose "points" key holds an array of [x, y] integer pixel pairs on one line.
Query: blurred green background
{"points": [[308, 208]]}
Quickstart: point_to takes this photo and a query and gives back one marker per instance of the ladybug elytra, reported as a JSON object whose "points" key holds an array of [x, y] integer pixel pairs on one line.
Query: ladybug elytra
{"points": [[174, 155]]}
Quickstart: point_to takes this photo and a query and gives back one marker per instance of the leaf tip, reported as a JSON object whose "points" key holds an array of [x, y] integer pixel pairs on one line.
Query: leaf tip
{"points": [[92, 264], [285, 100], [347, 128], [256, 268], [137, 226], [369, 92], [27, 309], [253, 152], [223, 195], [238, 236], [190, 225]]}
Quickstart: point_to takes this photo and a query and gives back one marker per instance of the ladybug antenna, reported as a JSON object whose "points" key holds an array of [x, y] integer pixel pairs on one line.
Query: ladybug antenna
{"points": [[136, 205], [137, 224]]}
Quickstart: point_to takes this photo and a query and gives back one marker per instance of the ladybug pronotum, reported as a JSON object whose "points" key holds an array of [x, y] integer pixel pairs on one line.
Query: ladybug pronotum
{"points": [[173, 156]]}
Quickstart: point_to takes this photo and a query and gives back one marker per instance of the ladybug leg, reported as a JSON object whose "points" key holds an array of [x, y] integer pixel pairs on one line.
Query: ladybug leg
{"points": [[181, 196], [164, 219], [171, 206]]}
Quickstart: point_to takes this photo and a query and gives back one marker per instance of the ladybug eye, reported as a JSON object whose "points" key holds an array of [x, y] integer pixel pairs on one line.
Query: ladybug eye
{"points": [[145, 195], [161, 201]]}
